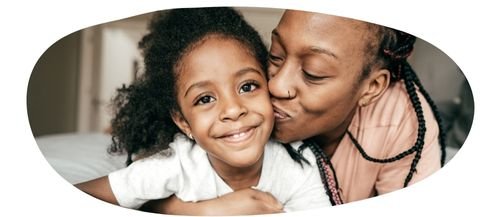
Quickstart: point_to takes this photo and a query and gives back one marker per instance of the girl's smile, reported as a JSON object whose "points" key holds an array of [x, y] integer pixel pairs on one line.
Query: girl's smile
{"points": [[224, 101], [239, 135]]}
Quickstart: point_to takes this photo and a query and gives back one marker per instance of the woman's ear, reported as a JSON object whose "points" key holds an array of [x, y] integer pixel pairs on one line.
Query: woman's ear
{"points": [[181, 122], [374, 87]]}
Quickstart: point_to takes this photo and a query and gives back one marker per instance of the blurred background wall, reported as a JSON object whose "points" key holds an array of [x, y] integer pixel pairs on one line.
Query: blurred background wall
{"points": [[72, 83], [53, 88]]}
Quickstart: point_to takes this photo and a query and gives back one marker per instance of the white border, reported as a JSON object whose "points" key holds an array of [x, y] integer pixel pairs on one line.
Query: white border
{"points": [[461, 29]]}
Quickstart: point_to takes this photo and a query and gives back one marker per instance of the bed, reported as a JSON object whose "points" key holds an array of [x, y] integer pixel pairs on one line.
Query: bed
{"points": [[79, 157]]}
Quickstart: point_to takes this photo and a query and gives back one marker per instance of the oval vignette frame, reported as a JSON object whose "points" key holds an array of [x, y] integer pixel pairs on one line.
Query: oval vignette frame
{"points": [[51, 135]]}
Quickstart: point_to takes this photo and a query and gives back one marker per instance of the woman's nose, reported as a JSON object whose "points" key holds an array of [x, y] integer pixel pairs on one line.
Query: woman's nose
{"points": [[281, 83]]}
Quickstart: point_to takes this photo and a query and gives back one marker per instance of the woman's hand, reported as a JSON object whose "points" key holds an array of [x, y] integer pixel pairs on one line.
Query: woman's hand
{"points": [[242, 202]]}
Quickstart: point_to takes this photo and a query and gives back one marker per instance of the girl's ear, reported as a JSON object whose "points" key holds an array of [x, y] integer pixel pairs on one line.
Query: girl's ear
{"points": [[374, 87], [181, 122]]}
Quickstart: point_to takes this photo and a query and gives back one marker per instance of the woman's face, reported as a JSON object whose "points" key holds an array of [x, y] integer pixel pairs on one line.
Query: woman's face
{"points": [[314, 75], [224, 101]]}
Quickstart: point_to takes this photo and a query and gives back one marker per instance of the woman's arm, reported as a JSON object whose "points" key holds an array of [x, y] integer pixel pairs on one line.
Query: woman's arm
{"points": [[243, 202], [99, 188]]}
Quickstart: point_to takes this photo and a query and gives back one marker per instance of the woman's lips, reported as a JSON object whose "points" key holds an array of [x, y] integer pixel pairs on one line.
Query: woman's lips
{"points": [[279, 114]]}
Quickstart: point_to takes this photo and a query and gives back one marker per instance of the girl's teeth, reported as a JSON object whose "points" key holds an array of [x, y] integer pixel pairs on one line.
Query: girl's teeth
{"points": [[238, 135]]}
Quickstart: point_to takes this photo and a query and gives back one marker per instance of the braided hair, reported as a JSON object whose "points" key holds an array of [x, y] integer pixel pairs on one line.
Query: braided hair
{"points": [[143, 125], [393, 49]]}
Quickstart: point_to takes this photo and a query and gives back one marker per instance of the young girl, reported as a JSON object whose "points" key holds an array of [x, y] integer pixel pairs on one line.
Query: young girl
{"points": [[205, 77]]}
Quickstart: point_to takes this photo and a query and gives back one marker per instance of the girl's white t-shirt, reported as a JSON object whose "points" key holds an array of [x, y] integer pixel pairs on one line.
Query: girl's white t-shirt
{"points": [[184, 170]]}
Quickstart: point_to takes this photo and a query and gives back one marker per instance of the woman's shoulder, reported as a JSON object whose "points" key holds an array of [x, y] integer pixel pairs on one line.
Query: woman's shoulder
{"points": [[392, 120], [392, 109]]}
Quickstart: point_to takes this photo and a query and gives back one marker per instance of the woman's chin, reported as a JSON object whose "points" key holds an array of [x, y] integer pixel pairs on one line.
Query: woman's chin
{"points": [[283, 137]]}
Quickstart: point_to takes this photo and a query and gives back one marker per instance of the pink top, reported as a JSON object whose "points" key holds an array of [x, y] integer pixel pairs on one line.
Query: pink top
{"points": [[384, 129]]}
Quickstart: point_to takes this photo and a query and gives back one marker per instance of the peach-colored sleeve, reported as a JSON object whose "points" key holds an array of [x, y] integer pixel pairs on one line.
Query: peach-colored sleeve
{"points": [[392, 176]]}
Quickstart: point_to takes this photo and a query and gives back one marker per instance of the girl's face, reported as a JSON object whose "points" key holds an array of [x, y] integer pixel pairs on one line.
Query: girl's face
{"points": [[224, 100], [318, 60]]}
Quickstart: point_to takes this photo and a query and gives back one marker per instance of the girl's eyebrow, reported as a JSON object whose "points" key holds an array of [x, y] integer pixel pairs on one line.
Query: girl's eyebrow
{"points": [[247, 70], [197, 85], [238, 73]]}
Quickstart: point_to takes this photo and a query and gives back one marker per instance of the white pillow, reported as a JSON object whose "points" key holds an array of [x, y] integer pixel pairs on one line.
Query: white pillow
{"points": [[79, 157]]}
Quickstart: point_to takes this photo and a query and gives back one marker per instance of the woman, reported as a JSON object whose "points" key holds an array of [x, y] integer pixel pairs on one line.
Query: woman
{"points": [[345, 88]]}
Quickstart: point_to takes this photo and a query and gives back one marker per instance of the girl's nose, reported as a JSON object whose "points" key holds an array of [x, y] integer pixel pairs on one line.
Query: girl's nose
{"points": [[233, 109]]}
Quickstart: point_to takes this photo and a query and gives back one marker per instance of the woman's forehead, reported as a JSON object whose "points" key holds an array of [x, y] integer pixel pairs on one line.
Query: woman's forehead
{"points": [[304, 30], [319, 23]]}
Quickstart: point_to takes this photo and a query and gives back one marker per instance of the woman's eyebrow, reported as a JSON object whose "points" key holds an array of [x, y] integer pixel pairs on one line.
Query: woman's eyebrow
{"points": [[313, 49], [320, 50]]}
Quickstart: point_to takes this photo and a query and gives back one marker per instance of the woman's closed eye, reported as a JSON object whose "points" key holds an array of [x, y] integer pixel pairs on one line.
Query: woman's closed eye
{"points": [[310, 77], [276, 60]]}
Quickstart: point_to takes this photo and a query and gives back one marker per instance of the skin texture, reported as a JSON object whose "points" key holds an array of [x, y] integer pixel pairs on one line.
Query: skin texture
{"points": [[225, 107], [319, 60]]}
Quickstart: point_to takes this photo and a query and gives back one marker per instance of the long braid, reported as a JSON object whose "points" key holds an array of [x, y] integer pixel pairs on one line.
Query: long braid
{"points": [[411, 91], [327, 172], [377, 160], [436, 113], [407, 74], [319, 161], [395, 47]]}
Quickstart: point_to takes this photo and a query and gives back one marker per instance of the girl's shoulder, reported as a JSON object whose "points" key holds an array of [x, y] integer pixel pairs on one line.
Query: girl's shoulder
{"points": [[181, 145], [181, 142], [274, 146], [278, 145], [285, 152], [181, 152]]}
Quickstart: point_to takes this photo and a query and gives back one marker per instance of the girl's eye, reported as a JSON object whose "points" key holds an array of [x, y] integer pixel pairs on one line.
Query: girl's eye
{"points": [[248, 87], [204, 100]]}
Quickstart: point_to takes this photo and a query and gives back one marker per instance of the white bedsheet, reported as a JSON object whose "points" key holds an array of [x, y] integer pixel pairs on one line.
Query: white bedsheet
{"points": [[80, 157]]}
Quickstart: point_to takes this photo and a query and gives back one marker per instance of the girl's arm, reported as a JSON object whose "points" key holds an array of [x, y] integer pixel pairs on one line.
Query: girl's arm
{"points": [[99, 188], [243, 202]]}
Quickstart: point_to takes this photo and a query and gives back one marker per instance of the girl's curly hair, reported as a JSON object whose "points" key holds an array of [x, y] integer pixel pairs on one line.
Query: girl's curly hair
{"points": [[142, 124]]}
